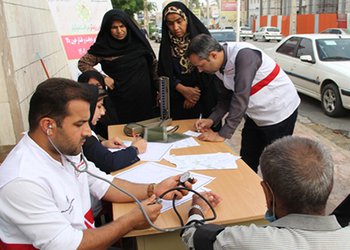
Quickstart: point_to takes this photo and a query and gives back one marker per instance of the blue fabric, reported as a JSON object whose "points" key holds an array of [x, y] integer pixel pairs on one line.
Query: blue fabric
{"points": [[106, 160]]}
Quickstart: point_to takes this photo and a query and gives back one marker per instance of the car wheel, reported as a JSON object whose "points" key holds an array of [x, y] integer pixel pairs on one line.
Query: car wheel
{"points": [[331, 102], [254, 38], [264, 39]]}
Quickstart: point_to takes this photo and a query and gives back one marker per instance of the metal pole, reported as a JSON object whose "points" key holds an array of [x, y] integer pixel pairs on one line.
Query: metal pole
{"points": [[208, 18], [145, 15], [238, 19], [293, 17]]}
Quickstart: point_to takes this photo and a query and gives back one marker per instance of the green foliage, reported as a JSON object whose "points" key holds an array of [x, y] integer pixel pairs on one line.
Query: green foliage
{"points": [[131, 6], [194, 4]]}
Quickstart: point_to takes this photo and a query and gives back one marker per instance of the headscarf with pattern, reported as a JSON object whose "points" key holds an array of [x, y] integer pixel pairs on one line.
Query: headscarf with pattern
{"points": [[172, 46], [179, 45]]}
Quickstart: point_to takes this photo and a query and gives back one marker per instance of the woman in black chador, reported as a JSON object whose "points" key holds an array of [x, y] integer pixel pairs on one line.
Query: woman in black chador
{"points": [[128, 60], [191, 93]]}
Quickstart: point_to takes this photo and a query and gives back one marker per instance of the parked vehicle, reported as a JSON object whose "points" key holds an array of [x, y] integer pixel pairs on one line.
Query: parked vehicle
{"points": [[245, 32], [267, 33], [338, 31], [156, 35], [318, 65], [224, 35]]}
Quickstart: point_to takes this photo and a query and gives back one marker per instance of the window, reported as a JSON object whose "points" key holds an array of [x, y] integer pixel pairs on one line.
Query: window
{"points": [[289, 46], [273, 30], [305, 48], [333, 49]]}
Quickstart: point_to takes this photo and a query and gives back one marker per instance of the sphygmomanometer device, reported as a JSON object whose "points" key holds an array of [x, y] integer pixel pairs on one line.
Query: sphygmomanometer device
{"points": [[186, 177], [138, 128]]}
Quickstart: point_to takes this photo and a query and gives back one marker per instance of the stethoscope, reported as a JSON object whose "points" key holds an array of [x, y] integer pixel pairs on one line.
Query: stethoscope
{"points": [[83, 168]]}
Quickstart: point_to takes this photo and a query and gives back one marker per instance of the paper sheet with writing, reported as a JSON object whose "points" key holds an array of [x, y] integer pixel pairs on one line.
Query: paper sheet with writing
{"points": [[150, 172], [155, 151], [192, 133], [204, 161], [185, 143]]}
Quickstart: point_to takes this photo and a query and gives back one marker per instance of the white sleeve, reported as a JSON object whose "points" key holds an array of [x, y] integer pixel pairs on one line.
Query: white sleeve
{"points": [[98, 187], [30, 209]]}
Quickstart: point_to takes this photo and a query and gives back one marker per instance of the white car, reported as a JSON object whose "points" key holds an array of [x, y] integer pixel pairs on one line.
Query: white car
{"points": [[245, 32], [267, 33], [338, 31], [318, 65], [156, 35], [223, 35]]}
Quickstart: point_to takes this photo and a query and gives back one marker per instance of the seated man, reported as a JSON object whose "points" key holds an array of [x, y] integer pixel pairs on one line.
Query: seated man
{"points": [[45, 187], [297, 180]]}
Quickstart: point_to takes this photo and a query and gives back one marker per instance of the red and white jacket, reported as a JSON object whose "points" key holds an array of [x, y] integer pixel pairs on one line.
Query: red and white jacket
{"points": [[273, 97]]}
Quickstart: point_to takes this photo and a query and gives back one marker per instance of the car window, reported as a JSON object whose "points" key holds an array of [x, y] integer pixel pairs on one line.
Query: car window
{"points": [[273, 30], [289, 46], [305, 48], [333, 49], [224, 36]]}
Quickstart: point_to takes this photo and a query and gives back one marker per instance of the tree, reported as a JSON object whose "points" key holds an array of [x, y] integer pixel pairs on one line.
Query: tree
{"points": [[194, 4], [131, 6]]}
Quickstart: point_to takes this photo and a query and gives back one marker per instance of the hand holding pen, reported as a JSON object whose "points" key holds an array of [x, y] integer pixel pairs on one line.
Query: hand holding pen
{"points": [[203, 125]]}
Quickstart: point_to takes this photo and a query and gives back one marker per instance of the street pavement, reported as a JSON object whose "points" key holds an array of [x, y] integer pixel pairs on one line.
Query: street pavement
{"points": [[340, 156]]}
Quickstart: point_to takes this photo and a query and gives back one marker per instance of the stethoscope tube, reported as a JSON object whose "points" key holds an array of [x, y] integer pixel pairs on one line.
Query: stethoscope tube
{"points": [[81, 169]]}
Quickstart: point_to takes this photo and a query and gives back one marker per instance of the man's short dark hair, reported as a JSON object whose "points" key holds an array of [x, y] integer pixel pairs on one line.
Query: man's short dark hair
{"points": [[50, 99], [299, 172], [201, 45]]}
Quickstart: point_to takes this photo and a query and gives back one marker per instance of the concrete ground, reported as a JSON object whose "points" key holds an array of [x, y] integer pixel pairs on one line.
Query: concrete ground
{"points": [[337, 144]]}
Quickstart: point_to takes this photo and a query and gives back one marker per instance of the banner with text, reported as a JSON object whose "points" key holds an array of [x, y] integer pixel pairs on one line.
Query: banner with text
{"points": [[78, 22]]}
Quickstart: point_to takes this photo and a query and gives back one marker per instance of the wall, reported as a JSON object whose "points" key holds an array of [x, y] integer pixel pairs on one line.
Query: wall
{"points": [[308, 23], [27, 33]]}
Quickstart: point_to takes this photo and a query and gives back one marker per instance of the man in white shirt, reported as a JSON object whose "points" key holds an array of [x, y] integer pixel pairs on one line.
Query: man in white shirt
{"points": [[254, 87], [45, 190], [297, 180]]}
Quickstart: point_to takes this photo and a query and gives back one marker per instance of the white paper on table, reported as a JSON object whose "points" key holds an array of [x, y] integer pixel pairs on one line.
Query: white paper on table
{"points": [[155, 150], [192, 133], [204, 161], [126, 143], [152, 172], [185, 143]]}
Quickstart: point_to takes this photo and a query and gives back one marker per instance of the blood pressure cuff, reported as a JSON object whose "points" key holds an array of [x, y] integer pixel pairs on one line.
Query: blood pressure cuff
{"points": [[205, 236]]}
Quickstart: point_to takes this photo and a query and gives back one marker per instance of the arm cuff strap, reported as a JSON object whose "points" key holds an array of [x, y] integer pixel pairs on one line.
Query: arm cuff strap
{"points": [[205, 236]]}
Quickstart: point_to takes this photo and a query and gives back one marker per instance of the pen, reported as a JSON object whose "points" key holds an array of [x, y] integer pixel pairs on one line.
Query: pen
{"points": [[200, 118]]}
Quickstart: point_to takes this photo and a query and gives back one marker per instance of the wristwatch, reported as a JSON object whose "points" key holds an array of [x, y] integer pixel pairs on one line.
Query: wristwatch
{"points": [[196, 209]]}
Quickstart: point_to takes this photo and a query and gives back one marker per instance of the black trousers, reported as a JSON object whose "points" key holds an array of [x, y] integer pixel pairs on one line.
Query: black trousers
{"points": [[255, 138], [342, 212]]}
